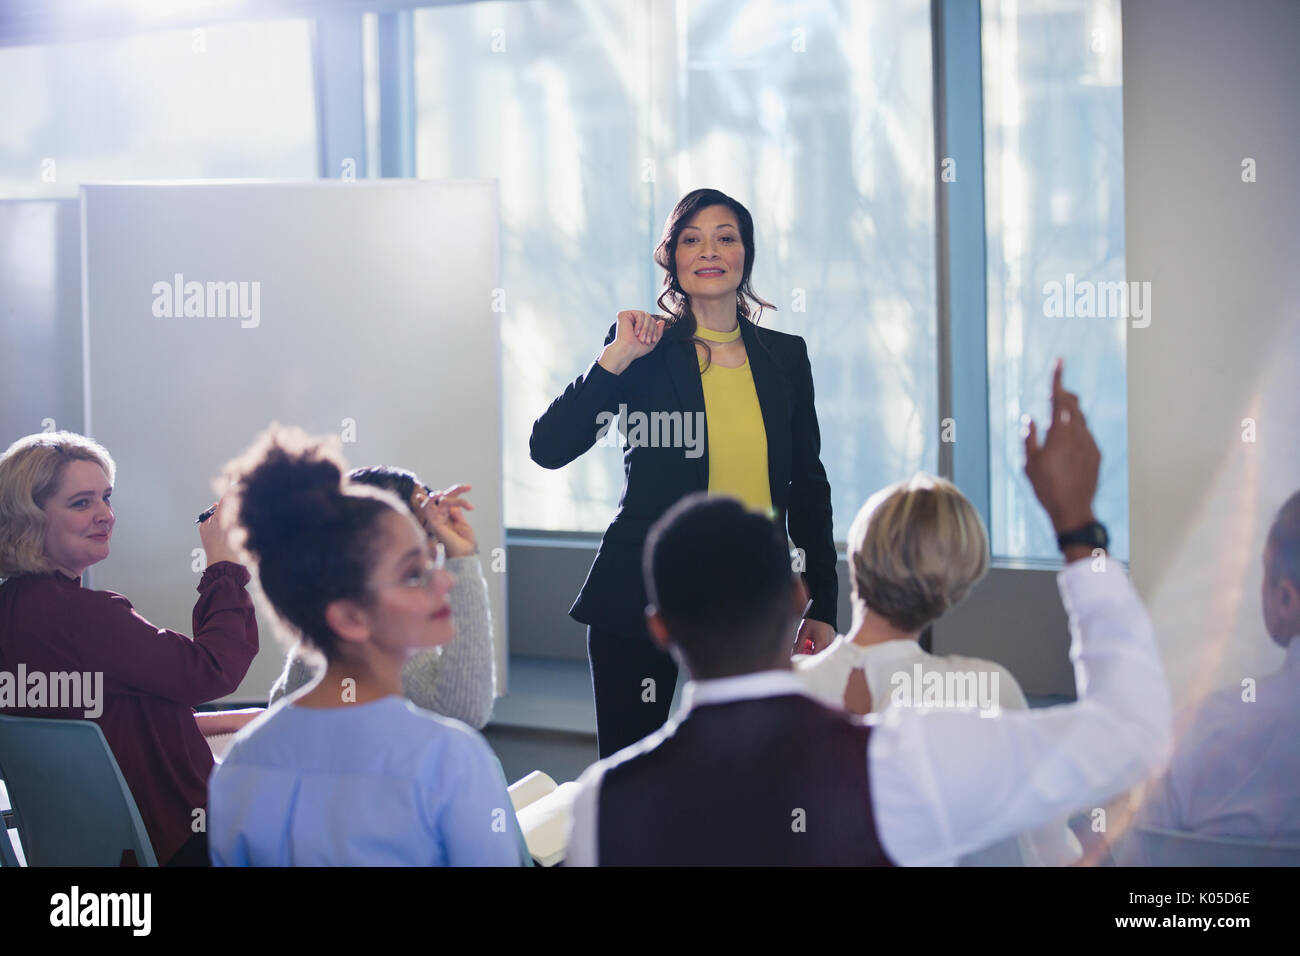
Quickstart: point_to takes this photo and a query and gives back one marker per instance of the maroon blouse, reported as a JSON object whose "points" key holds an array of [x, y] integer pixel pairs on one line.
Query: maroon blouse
{"points": [[153, 678]]}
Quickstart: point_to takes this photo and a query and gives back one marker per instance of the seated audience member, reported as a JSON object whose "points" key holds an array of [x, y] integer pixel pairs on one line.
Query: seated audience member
{"points": [[458, 680], [752, 770], [915, 550], [350, 772], [1236, 770], [56, 521]]}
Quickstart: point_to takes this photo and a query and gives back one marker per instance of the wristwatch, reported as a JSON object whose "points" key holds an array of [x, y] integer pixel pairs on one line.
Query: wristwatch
{"points": [[1092, 535]]}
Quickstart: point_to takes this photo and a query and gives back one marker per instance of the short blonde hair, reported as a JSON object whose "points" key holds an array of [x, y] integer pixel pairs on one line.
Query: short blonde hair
{"points": [[916, 549], [30, 472]]}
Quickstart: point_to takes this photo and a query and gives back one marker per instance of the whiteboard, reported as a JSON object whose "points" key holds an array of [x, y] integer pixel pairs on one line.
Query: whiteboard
{"points": [[360, 309]]}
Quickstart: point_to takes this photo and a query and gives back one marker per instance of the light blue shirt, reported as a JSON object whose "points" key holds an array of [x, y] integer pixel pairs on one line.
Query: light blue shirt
{"points": [[1236, 771], [377, 784]]}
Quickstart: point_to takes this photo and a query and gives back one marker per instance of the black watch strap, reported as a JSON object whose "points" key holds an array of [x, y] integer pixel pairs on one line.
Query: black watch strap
{"points": [[1093, 535]]}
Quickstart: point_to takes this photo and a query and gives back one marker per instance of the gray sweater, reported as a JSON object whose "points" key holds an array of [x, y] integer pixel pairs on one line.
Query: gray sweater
{"points": [[457, 680]]}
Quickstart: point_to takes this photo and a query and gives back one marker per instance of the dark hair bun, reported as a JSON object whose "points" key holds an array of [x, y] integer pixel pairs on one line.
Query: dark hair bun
{"points": [[289, 484], [313, 540]]}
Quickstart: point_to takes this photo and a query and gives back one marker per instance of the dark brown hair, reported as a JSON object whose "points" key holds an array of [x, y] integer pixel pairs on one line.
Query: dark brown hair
{"points": [[314, 539], [399, 481], [674, 300], [720, 577], [1284, 539]]}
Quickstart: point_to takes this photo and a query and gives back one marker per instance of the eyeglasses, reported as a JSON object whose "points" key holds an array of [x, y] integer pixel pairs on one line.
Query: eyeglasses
{"points": [[424, 576]]}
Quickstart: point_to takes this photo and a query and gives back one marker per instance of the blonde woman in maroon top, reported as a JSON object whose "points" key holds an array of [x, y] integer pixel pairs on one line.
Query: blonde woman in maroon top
{"points": [[56, 521]]}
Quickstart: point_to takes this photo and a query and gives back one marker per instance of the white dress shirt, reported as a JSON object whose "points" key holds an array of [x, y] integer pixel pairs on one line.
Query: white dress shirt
{"points": [[890, 668], [946, 783], [1236, 771]]}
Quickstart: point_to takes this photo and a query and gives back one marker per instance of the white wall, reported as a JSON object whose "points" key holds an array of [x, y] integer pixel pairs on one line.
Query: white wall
{"points": [[40, 317], [1206, 85], [375, 309]]}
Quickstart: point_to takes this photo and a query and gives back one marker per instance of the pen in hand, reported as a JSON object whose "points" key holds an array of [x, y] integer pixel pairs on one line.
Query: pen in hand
{"points": [[807, 647]]}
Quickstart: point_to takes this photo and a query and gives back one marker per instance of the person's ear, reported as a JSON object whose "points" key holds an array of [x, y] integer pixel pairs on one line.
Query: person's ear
{"points": [[1288, 600], [348, 620], [657, 628]]}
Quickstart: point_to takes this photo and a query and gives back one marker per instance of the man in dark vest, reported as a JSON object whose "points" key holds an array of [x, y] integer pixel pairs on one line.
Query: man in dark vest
{"points": [[753, 771]]}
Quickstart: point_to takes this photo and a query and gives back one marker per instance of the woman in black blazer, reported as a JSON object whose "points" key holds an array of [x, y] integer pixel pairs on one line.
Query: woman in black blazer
{"points": [[656, 368]]}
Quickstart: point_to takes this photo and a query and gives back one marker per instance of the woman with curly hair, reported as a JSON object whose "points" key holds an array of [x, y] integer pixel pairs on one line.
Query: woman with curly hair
{"points": [[348, 771]]}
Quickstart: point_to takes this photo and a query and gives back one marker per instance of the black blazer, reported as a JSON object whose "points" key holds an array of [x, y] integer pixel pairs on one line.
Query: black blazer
{"points": [[668, 380]]}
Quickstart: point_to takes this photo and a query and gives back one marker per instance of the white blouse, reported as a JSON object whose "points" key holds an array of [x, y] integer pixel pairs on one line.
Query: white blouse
{"points": [[898, 674]]}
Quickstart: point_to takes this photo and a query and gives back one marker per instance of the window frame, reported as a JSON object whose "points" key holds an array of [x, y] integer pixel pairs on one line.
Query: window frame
{"points": [[338, 62]]}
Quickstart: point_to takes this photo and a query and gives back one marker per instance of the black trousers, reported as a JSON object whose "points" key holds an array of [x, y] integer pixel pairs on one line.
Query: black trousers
{"points": [[633, 681]]}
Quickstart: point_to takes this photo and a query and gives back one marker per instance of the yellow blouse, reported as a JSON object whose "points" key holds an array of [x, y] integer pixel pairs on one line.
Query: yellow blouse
{"points": [[737, 438]]}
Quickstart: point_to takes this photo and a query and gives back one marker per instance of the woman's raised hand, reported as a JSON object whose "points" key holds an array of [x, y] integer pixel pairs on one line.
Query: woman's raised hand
{"points": [[216, 537], [637, 335], [443, 516]]}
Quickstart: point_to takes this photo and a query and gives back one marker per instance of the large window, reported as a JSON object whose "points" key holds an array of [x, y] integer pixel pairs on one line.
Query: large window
{"points": [[1054, 175], [819, 116], [548, 97], [597, 117], [228, 101]]}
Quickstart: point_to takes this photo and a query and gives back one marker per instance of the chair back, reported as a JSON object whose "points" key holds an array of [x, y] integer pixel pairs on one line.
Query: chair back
{"points": [[1153, 846], [8, 856], [71, 804], [1003, 853]]}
